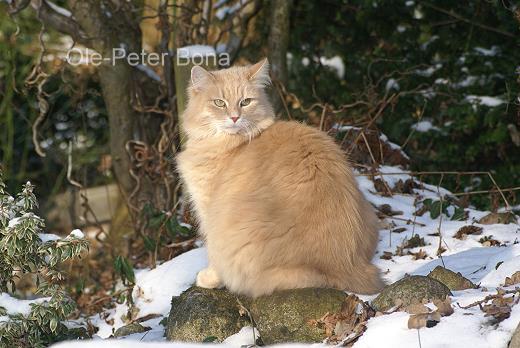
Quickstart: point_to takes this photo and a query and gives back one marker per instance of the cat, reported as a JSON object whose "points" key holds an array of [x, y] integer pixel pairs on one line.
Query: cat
{"points": [[277, 203]]}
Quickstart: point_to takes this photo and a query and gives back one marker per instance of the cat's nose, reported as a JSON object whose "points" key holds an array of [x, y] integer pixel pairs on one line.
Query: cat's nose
{"points": [[235, 119]]}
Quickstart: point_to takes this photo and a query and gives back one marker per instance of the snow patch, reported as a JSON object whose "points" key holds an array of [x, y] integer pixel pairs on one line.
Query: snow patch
{"points": [[424, 126], [195, 51], [485, 100], [15, 306], [335, 63]]}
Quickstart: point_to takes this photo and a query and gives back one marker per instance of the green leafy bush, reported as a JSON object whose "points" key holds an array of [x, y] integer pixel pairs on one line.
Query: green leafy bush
{"points": [[23, 252], [457, 78]]}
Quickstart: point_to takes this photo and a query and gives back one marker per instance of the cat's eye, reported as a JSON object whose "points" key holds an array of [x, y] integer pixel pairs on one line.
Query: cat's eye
{"points": [[219, 102], [245, 102]]}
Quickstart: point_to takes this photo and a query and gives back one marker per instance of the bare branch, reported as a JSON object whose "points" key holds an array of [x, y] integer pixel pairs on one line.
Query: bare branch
{"points": [[16, 7], [49, 15]]}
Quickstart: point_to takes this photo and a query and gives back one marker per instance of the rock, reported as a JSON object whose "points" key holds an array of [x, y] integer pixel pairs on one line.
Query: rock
{"points": [[285, 315], [200, 314], [498, 218], [130, 329], [454, 281], [515, 340], [410, 290]]}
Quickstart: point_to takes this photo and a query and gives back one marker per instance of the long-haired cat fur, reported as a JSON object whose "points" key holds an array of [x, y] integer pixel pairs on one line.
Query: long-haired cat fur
{"points": [[276, 202]]}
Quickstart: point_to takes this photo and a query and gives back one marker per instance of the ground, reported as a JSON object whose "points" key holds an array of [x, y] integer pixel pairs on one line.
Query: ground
{"points": [[485, 258]]}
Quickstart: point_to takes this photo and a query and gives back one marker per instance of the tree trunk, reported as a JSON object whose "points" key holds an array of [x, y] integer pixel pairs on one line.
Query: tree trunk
{"points": [[118, 28], [278, 44]]}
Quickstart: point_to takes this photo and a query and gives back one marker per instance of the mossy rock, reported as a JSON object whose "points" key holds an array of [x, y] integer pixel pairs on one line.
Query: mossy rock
{"points": [[201, 315], [498, 218], [130, 329], [284, 316], [410, 290], [454, 281]]}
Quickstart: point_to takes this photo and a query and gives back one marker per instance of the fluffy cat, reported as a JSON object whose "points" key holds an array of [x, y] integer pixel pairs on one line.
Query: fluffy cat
{"points": [[276, 202]]}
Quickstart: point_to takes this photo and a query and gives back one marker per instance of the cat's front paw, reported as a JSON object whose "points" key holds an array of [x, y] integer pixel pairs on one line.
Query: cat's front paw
{"points": [[208, 278]]}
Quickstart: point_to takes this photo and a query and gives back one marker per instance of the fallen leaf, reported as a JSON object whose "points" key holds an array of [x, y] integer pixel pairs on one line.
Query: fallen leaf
{"points": [[387, 255], [514, 279], [489, 241], [417, 308], [420, 255], [387, 210], [464, 231], [444, 307], [418, 321]]}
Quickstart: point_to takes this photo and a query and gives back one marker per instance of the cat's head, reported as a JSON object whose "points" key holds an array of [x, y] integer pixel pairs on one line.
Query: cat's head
{"points": [[231, 101]]}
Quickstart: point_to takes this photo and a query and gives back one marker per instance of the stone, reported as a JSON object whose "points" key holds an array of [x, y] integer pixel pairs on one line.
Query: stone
{"points": [[286, 316], [454, 281], [515, 340], [130, 329], [205, 315], [498, 218], [410, 290]]}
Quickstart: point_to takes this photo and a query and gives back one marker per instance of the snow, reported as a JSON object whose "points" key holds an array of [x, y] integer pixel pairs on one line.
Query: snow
{"points": [[493, 51], [47, 237], [14, 222], [195, 51], [15, 306], [246, 336], [485, 100], [154, 288], [428, 71], [77, 234], [335, 63], [392, 84], [62, 11], [149, 72], [129, 344], [487, 266], [224, 11], [424, 126]]}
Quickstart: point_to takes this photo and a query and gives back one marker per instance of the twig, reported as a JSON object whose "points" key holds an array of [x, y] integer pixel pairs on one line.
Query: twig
{"points": [[459, 17], [490, 297], [439, 248]]}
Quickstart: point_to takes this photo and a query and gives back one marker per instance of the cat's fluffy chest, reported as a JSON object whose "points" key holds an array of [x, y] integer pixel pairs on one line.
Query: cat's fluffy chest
{"points": [[199, 169]]}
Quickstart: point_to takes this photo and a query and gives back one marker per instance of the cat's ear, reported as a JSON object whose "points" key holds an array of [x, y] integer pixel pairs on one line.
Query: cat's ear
{"points": [[259, 73], [199, 77]]}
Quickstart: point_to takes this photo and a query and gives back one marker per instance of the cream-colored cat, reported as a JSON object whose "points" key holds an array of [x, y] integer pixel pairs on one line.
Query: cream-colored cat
{"points": [[277, 203]]}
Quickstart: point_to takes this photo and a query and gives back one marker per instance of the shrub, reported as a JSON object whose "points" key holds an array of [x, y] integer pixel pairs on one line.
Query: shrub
{"points": [[25, 250]]}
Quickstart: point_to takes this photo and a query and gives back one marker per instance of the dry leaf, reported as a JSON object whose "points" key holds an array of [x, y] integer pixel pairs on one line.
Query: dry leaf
{"points": [[444, 307], [387, 255], [418, 321], [387, 210], [467, 230], [348, 324], [514, 279], [417, 308], [489, 241], [420, 255]]}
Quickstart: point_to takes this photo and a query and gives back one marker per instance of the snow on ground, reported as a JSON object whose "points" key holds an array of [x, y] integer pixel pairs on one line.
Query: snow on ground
{"points": [[154, 290], [484, 265], [15, 306]]}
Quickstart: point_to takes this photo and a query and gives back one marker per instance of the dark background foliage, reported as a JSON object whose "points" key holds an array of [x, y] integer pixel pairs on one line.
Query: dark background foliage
{"points": [[433, 54]]}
